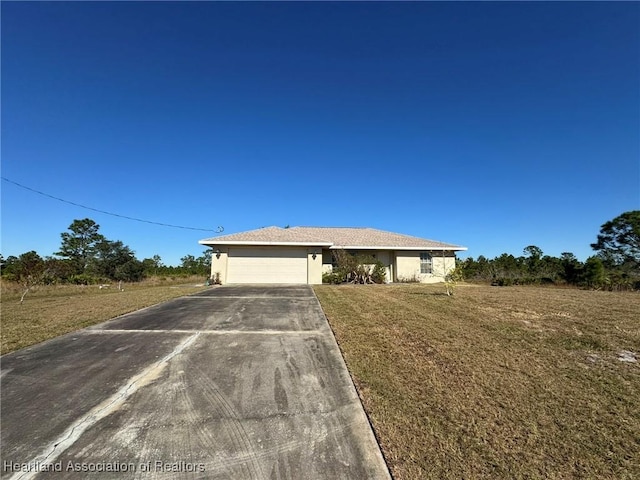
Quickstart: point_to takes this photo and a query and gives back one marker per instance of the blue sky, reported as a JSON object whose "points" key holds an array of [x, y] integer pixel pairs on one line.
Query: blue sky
{"points": [[489, 125]]}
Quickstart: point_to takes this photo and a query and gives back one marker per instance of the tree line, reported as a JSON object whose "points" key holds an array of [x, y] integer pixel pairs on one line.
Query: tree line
{"points": [[614, 266], [88, 257]]}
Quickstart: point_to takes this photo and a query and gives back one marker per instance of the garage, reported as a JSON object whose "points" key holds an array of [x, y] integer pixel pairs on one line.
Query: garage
{"points": [[267, 265]]}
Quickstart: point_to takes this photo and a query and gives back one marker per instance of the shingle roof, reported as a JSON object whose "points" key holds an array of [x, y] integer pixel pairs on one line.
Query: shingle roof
{"points": [[335, 237], [267, 235]]}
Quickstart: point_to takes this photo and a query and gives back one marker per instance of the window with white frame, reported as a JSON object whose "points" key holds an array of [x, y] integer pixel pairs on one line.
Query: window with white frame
{"points": [[426, 263]]}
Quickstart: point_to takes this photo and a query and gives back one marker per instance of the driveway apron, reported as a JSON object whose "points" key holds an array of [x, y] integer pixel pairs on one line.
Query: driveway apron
{"points": [[236, 382]]}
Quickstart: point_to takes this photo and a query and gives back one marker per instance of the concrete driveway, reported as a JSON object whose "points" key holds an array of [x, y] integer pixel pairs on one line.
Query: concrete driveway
{"points": [[237, 382]]}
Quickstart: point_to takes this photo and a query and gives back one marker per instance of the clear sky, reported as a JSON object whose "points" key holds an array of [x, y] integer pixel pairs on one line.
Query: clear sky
{"points": [[489, 125]]}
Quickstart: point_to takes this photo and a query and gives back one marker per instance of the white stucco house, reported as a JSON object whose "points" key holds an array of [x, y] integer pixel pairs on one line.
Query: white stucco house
{"points": [[300, 255]]}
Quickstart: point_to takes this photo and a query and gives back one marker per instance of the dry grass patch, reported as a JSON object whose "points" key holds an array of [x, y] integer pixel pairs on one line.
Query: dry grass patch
{"points": [[48, 312], [512, 382]]}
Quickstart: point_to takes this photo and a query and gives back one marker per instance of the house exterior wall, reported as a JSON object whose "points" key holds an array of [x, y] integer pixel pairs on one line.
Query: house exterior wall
{"points": [[400, 265], [408, 266], [219, 265], [314, 266]]}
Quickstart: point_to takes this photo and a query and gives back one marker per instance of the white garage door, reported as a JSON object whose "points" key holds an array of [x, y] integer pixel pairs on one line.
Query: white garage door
{"points": [[267, 265]]}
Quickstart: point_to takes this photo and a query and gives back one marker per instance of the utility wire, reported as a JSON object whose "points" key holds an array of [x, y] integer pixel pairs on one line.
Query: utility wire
{"points": [[219, 229]]}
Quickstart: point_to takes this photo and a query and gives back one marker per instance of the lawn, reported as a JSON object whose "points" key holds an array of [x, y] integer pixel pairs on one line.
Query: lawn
{"points": [[494, 382], [50, 311]]}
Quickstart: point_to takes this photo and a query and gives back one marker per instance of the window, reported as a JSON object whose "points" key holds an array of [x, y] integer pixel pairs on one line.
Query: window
{"points": [[426, 264]]}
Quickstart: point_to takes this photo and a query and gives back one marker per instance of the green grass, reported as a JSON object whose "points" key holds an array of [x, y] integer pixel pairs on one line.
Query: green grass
{"points": [[50, 311], [494, 382]]}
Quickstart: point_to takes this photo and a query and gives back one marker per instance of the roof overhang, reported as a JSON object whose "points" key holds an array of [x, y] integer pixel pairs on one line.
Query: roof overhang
{"points": [[331, 246], [263, 244]]}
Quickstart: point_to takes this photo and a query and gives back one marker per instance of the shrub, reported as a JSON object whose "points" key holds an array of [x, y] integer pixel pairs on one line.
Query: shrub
{"points": [[83, 279], [452, 278], [502, 282], [412, 279], [355, 269], [131, 271], [10, 277], [332, 278], [379, 273]]}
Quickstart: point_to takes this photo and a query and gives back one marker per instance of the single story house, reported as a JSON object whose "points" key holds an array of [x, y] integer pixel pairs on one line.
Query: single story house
{"points": [[303, 254]]}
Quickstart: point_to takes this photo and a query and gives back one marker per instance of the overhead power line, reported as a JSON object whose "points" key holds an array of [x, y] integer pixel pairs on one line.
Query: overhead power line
{"points": [[218, 230]]}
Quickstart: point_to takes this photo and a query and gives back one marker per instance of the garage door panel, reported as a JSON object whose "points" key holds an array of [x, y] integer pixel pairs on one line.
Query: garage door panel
{"points": [[267, 265]]}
